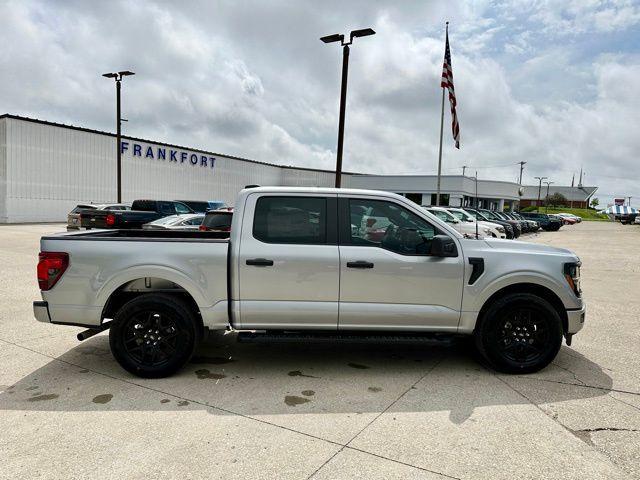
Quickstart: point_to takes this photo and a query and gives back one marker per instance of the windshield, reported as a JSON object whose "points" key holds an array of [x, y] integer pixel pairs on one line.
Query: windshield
{"points": [[218, 220], [444, 216], [492, 215], [166, 220], [462, 215]]}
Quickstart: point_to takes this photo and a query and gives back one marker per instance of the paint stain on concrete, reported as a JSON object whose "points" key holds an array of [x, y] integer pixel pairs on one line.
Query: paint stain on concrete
{"points": [[84, 370], [183, 403], [298, 373], [165, 400], [199, 360], [358, 366], [102, 399], [374, 389], [308, 393], [293, 400], [204, 374], [32, 387], [44, 397]]}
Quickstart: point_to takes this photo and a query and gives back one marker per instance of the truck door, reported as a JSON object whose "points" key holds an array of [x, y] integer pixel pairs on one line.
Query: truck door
{"points": [[288, 262], [388, 279]]}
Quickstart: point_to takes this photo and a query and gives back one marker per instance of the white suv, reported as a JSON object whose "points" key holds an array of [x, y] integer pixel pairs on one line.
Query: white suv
{"points": [[463, 227], [492, 229]]}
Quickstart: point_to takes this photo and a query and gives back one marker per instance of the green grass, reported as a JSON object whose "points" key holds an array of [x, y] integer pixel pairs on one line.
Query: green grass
{"points": [[587, 214]]}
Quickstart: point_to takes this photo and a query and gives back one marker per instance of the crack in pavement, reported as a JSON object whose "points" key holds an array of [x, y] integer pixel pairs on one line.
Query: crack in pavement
{"points": [[608, 429], [249, 417], [575, 376], [583, 385]]}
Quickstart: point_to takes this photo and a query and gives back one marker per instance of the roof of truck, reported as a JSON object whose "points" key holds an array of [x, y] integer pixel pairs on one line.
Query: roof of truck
{"points": [[326, 190]]}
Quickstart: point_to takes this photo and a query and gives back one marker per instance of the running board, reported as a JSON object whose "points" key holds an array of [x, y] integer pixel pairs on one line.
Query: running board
{"points": [[427, 339]]}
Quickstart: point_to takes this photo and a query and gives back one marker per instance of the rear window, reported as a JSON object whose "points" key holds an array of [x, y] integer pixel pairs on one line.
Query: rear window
{"points": [[79, 208], [147, 205], [301, 220], [217, 220]]}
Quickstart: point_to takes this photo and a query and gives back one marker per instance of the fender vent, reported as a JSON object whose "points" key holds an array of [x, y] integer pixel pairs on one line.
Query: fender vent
{"points": [[478, 269]]}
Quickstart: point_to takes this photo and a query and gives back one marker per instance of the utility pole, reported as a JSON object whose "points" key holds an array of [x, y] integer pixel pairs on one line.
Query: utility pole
{"points": [[629, 201], [521, 169], [546, 201], [117, 76], [539, 188], [343, 89]]}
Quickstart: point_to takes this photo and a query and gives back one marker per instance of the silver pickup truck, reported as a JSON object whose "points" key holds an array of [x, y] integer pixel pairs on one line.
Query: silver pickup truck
{"points": [[312, 263]]}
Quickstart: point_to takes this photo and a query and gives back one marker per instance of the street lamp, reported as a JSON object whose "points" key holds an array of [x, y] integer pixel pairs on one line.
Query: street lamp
{"points": [[539, 188], [117, 76], [546, 200], [343, 91]]}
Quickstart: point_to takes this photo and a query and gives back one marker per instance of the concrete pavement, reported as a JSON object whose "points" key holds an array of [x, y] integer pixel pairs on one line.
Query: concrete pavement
{"points": [[67, 410]]}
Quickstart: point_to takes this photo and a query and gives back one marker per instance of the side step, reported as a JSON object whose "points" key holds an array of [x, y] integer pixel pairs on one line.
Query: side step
{"points": [[426, 339]]}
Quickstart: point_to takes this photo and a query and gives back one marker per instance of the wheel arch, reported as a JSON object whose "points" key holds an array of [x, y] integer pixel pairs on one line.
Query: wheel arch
{"points": [[526, 287]]}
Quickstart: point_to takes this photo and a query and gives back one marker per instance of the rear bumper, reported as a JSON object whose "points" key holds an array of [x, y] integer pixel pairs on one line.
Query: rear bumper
{"points": [[575, 319], [41, 312]]}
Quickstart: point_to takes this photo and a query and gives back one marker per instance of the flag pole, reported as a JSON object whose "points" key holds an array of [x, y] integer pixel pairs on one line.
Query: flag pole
{"points": [[440, 150]]}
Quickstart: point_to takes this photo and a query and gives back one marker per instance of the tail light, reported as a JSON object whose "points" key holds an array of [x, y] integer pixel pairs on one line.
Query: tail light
{"points": [[110, 220], [51, 266], [202, 228]]}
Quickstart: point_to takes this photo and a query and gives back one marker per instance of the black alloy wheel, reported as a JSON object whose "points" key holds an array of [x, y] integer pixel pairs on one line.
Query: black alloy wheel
{"points": [[520, 333], [154, 335]]}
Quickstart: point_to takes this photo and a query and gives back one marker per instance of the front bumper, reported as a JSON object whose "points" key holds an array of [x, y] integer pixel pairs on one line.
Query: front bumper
{"points": [[41, 312], [575, 319]]}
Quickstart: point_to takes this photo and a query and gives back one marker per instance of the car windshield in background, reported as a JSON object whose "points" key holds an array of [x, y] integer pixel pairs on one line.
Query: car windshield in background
{"points": [[217, 220], [79, 208], [166, 220], [202, 206]]}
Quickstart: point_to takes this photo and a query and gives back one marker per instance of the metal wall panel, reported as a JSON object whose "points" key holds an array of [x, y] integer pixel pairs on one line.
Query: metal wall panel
{"points": [[50, 168], [3, 170]]}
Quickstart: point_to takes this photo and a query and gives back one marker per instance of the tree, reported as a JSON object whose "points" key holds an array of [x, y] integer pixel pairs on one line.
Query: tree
{"points": [[557, 199], [594, 202]]}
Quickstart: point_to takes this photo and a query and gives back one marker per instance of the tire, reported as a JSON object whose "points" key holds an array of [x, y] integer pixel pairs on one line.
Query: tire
{"points": [[154, 335], [519, 333]]}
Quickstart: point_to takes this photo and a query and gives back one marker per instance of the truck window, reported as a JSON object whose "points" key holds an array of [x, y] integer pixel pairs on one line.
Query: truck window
{"points": [[301, 220], [388, 225], [182, 208]]}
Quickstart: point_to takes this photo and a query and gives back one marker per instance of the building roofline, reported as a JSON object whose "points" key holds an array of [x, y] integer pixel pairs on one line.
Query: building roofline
{"points": [[182, 147]]}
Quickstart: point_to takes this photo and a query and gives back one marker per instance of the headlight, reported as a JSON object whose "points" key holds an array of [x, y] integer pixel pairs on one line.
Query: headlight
{"points": [[500, 228], [572, 275], [487, 231]]}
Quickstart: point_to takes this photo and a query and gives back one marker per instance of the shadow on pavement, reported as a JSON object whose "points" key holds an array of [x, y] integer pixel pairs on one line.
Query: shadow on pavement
{"points": [[251, 379]]}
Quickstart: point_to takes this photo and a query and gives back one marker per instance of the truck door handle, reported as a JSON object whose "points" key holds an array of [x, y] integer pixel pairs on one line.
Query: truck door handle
{"points": [[359, 264], [260, 262]]}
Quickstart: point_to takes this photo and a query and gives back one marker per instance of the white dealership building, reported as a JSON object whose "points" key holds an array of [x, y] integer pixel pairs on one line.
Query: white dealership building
{"points": [[47, 168]]}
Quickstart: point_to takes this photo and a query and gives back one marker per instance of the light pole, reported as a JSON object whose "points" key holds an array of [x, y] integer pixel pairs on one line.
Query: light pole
{"points": [[343, 90], [539, 188], [117, 76], [546, 199]]}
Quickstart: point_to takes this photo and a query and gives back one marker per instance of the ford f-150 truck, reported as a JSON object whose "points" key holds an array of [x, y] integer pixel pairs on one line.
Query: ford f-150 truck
{"points": [[312, 263], [141, 212]]}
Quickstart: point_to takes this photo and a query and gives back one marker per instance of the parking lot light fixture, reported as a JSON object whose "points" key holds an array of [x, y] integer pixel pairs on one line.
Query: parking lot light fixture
{"points": [[117, 76], [539, 188], [336, 37], [546, 200]]}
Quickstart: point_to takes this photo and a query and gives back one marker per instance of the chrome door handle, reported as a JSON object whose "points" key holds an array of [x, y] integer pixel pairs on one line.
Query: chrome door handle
{"points": [[260, 262], [359, 264]]}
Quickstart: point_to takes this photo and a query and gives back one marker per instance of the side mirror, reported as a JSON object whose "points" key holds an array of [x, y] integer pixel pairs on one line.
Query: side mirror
{"points": [[443, 246]]}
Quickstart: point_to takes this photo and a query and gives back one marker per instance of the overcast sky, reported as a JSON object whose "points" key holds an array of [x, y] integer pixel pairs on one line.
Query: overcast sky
{"points": [[552, 83]]}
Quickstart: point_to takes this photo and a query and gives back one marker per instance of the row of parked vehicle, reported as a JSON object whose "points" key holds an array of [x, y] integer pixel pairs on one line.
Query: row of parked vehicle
{"points": [[216, 216], [210, 215]]}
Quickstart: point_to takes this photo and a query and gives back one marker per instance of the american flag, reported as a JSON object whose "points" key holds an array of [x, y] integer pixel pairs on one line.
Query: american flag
{"points": [[447, 82]]}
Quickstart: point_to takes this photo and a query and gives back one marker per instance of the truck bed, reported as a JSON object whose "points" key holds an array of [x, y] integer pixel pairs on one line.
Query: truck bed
{"points": [[142, 235]]}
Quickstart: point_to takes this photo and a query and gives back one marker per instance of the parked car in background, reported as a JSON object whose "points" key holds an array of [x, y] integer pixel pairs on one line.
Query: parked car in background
{"points": [[188, 221], [142, 211], [508, 228], [465, 228], [546, 222], [532, 225], [497, 231], [74, 220], [518, 225], [577, 218], [564, 220], [203, 206], [217, 220], [493, 216]]}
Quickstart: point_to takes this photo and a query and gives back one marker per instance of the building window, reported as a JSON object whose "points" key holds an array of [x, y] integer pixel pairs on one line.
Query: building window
{"points": [[444, 199]]}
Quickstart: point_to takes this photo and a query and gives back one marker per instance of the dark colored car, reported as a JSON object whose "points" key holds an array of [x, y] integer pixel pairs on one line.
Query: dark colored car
{"points": [[203, 206], [493, 217], [532, 224], [73, 217], [142, 211], [217, 220], [545, 221], [481, 215]]}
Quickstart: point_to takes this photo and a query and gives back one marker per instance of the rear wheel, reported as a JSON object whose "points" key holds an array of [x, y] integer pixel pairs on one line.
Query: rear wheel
{"points": [[520, 333], [154, 335]]}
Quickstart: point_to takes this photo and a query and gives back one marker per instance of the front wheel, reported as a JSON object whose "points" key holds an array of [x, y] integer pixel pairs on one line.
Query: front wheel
{"points": [[519, 333], [154, 335]]}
